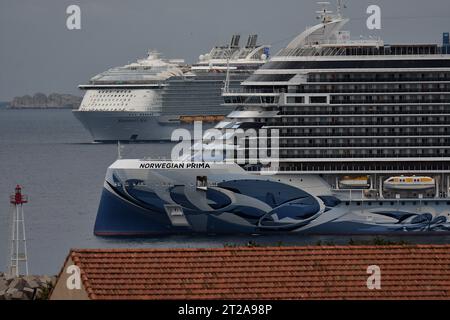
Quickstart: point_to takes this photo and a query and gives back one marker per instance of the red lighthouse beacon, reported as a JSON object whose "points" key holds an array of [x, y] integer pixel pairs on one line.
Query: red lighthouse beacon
{"points": [[18, 198], [18, 256]]}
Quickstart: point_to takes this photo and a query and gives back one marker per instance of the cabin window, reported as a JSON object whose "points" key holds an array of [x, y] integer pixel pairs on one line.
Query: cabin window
{"points": [[320, 99], [295, 99]]}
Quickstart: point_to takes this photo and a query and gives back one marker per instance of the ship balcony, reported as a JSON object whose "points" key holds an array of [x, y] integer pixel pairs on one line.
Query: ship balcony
{"points": [[281, 124], [391, 90], [341, 145], [361, 165], [364, 47], [249, 94], [243, 90], [245, 104], [334, 155], [391, 134], [376, 79], [370, 114], [371, 100]]}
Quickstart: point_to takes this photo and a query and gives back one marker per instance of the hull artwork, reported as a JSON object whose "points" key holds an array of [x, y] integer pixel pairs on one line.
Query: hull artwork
{"points": [[149, 198]]}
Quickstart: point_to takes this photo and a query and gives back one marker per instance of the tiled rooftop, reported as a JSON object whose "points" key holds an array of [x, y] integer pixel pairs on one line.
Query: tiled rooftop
{"points": [[309, 272]]}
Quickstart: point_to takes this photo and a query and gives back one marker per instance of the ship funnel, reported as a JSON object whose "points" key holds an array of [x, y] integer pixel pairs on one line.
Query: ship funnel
{"points": [[251, 41], [446, 38], [446, 43], [235, 41]]}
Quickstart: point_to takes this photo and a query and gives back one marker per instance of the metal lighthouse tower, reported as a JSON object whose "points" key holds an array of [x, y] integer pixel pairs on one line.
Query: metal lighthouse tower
{"points": [[18, 255]]}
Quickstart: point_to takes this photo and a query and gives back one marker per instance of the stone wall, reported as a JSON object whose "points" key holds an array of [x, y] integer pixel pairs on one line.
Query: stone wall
{"points": [[25, 287]]}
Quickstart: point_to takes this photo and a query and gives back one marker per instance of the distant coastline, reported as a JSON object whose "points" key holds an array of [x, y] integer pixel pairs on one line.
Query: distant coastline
{"points": [[42, 101]]}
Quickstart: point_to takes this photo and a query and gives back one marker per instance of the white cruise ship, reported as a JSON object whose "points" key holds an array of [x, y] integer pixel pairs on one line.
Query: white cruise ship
{"points": [[148, 99], [362, 134]]}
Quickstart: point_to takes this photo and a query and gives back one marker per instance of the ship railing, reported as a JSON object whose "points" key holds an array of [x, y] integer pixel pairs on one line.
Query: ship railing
{"points": [[355, 196], [341, 164], [241, 90], [378, 90], [366, 48]]}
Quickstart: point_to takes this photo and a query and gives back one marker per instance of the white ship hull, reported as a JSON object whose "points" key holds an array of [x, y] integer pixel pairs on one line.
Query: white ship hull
{"points": [[113, 126]]}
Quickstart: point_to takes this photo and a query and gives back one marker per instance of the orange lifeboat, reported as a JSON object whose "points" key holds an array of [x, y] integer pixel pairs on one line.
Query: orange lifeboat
{"points": [[208, 118]]}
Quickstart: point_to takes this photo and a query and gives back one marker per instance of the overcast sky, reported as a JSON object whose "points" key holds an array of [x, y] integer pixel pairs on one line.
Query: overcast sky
{"points": [[39, 54]]}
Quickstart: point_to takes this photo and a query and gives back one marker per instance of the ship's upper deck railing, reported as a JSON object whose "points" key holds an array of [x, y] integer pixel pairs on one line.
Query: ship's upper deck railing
{"points": [[224, 53], [364, 48], [248, 90]]}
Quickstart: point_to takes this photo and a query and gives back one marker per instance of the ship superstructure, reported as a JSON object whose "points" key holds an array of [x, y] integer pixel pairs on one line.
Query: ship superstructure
{"points": [[364, 146], [354, 107], [148, 99]]}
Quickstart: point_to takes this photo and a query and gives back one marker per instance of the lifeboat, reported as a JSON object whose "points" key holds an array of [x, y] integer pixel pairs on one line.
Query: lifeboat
{"points": [[209, 118], [186, 119], [354, 182], [409, 183]]}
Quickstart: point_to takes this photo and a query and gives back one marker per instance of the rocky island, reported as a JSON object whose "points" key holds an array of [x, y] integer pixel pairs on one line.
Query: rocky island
{"points": [[42, 101]]}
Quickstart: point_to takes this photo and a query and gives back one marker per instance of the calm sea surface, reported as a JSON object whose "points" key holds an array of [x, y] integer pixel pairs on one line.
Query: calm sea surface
{"points": [[51, 155]]}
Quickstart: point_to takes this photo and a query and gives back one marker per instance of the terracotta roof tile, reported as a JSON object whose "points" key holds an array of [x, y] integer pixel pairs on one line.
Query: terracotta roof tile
{"points": [[309, 272]]}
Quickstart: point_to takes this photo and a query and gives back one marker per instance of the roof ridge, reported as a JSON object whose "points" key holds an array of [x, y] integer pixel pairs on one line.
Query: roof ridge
{"points": [[262, 248]]}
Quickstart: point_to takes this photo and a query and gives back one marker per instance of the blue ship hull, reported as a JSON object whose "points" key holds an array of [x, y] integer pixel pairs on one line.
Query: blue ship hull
{"points": [[139, 201]]}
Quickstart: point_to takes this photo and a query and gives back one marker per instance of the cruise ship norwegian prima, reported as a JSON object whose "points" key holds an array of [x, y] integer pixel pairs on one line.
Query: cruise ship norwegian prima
{"points": [[364, 148], [148, 99]]}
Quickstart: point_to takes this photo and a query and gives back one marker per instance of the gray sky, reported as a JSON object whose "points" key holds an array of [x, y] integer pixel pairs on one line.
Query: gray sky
{"points": [[39, 54]]}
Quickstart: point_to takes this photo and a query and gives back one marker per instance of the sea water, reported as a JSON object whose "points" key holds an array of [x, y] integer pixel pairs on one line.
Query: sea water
{"points": [[51, 155]]}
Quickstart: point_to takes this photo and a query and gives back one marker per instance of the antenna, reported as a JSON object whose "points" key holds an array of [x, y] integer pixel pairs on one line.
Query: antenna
{"points": [[340, 5], [324, 13]]}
